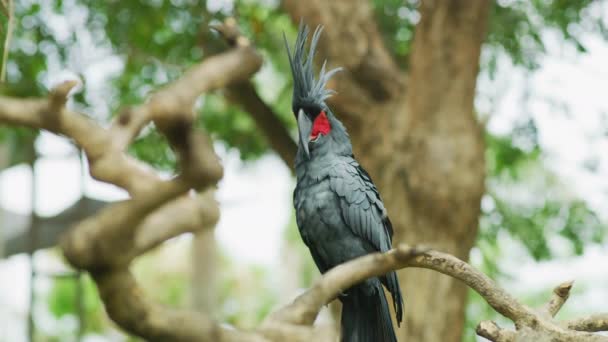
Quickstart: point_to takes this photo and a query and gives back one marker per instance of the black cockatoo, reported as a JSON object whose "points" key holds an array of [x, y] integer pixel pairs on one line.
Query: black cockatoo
{"points": [[339, 212]]}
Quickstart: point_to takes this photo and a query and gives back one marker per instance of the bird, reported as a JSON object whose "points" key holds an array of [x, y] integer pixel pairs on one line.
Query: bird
{"points": [[339, 212]]}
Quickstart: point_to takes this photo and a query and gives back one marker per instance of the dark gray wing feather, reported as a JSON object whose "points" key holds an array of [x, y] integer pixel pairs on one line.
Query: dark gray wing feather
{"points": [[308, 240], [362, 208], [365, 214]]}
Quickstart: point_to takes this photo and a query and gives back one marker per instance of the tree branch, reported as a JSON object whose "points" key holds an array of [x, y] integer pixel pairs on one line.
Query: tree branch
{"points": [[246, 97], [592, 323], [127, 305], [305, 308], [187, 214], [178, 97], [106, 163], [558, 298], [493, 332], [105, 243]]}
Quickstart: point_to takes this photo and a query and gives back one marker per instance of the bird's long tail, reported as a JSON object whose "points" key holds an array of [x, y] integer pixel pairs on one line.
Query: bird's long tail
{"points": [[366, 316]]}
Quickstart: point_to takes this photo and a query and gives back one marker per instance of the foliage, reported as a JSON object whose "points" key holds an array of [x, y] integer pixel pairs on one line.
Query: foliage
{"points": [[246, 294], [157, 40], [532, 217], [517, 28], [546, 212], [397, 20]]}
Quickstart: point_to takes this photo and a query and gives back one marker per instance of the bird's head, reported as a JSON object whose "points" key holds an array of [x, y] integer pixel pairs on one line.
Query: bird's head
{"points": [[309, 93]]}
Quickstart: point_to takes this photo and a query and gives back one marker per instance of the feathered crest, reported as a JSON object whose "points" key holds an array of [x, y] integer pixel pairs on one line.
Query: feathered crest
{"points": [[307, 90]]}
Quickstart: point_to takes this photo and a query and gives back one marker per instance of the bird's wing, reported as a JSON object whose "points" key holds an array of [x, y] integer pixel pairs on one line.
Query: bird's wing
{"points": [[308, 240], [360, 204], [364, 213]]}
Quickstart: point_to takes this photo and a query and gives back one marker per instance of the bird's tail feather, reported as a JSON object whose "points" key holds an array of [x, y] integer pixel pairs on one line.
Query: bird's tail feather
{"points": [[366, 317]]}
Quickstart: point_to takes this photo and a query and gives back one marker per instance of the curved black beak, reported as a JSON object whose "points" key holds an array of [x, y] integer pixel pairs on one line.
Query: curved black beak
{"points": [[304, 129]]}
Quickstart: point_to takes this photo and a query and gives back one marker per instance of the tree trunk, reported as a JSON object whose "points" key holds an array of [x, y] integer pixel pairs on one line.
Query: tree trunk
{"points": [[441, 176], [423, 147]]}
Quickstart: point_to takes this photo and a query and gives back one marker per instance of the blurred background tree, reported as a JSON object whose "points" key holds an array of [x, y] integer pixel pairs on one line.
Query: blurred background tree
{"points": [[140, 45]]}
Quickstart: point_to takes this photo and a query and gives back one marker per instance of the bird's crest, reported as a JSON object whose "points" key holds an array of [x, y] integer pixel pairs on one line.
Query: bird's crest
{"points": [[306, 89]]}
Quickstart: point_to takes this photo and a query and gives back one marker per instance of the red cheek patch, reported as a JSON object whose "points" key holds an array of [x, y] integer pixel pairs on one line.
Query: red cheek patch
{"points": [[320, 126]]}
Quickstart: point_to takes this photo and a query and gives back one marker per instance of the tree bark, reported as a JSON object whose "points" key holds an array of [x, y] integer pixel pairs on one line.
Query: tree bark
{"points": [[423, 147], [442, 175], [205, 273]]}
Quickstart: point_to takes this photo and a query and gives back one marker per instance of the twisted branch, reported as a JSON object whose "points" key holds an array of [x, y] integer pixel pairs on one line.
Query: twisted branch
{"points": [[246, 97], [530, 323], [105, 243]]}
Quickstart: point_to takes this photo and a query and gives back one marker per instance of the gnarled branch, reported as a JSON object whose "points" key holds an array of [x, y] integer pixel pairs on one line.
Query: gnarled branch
{"points": [[529, 323], [245, 96], [105, 243]]}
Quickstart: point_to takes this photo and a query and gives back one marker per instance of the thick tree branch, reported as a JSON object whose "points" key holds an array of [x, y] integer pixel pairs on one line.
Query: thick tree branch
{"points": [[305, 308], [245, 96], [105, 243], [188, 214], [106, 164], [127, 305], [282, 331]]}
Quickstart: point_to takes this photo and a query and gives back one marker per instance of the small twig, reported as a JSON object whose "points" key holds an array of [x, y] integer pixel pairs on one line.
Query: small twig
{"points": [[59, 95], [493, 332], [7, 42], [558, 298], [231, 33]]}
